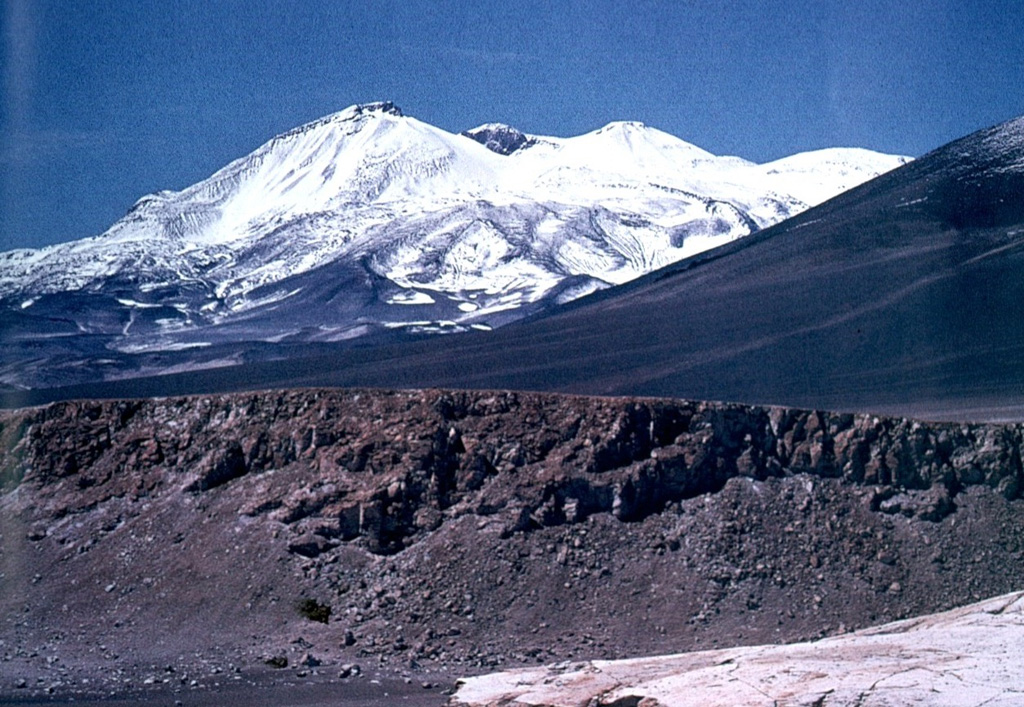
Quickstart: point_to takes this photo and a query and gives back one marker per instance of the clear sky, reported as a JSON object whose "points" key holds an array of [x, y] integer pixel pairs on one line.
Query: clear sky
{"points": [[106, 101]]}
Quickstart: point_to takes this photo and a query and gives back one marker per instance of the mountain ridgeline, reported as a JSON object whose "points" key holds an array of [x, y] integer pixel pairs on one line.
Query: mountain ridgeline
{"points": [[899, 296], [371, 226]]}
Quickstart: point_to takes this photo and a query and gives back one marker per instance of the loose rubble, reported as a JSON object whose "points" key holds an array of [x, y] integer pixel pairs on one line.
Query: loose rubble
{"points": [[188, 543]]}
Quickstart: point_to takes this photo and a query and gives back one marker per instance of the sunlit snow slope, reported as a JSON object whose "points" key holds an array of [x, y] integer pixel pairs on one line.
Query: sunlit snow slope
{"points": [[369, 222]]}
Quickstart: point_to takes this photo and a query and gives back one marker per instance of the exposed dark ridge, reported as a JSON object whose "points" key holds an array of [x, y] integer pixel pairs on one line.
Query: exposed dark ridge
{"points": [[379, 107], [628, 457], [502, 139]]}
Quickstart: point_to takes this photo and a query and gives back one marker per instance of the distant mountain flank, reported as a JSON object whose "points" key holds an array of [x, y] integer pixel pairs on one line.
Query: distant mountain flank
{"points": [[900, 296], [370, 223]]}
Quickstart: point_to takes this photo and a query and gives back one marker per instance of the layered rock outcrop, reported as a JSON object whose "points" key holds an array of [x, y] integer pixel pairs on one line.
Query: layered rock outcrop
{"points": [[386, 468]]}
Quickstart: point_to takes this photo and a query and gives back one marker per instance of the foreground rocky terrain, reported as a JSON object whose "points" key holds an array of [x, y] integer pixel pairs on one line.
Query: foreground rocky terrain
{"points": [[968, 656], [322, 535]]}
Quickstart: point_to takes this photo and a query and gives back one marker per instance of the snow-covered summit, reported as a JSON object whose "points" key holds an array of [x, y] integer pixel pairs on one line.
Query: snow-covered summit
{"points": [[369, 218], [633, 149], [816, 176]]}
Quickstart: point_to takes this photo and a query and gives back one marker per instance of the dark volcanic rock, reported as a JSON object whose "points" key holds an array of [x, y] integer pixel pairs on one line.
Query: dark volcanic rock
{"points": [[462, 531], [503, 139]]}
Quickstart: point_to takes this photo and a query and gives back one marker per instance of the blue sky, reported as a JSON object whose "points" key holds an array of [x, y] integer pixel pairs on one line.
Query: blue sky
{"points": [[106, 101]]}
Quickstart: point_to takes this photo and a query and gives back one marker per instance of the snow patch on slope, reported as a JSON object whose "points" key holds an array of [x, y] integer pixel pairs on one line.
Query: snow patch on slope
{"points": [[815, 177]]}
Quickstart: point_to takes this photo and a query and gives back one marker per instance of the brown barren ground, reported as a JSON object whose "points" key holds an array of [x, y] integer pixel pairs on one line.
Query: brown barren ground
{"points": [[175, 550]]}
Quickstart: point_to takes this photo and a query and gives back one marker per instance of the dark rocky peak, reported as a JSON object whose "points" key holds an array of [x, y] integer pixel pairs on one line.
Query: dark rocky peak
{"points": [[503, 139], [386, 107], [355, 114], [623, 125]]}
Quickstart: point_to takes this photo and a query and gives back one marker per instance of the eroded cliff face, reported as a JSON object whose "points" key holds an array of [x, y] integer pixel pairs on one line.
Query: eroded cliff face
{"points": [[467, 530], [386, 468]]}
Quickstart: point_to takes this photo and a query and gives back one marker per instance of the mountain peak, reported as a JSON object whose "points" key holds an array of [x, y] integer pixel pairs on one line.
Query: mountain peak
{"points": [[383, 107], [632, 139], [623, 125], [350, 114], [354, 112]]}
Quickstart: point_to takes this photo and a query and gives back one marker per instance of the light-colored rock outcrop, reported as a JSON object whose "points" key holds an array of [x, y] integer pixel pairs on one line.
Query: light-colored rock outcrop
{"points": [[968, 656]]}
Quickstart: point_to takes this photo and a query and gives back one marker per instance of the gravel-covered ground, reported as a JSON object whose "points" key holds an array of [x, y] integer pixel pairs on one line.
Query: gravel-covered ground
{"points": [[260, 547]]}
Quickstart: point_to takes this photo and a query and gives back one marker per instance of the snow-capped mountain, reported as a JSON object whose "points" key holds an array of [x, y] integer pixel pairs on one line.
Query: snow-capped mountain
{"points": [[368, 220]]}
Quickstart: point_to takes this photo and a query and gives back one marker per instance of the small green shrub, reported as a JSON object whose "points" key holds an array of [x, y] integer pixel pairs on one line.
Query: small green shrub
{"points": [[314, 610]]}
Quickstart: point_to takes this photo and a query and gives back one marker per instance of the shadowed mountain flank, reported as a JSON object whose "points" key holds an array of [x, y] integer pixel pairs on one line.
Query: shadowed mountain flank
{"points": [[902, 295]]}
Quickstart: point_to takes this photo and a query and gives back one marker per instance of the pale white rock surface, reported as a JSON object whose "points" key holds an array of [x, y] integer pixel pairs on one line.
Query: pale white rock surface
{"points": [[966, 657]]}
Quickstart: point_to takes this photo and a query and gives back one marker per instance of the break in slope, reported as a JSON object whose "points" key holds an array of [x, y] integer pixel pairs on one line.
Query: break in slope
{"points": [[901, 295]]}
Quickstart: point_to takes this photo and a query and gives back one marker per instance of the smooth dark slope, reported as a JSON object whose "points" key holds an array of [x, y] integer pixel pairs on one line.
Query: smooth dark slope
{"points": [[905, 295]]}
